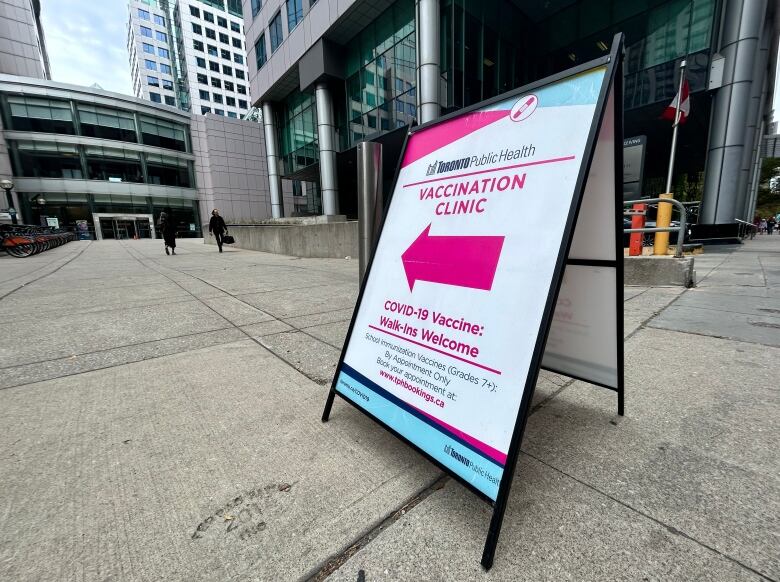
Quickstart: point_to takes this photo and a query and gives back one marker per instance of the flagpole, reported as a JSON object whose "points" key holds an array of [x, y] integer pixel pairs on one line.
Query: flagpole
{"points": [[675, 126]]}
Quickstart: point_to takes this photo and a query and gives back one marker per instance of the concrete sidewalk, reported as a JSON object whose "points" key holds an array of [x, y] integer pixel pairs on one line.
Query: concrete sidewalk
{"points": [[159, 420]]}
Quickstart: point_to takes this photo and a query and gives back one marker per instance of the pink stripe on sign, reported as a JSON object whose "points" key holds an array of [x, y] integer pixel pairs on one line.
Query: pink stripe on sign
{"points": [[429, 140], [486, 449]]}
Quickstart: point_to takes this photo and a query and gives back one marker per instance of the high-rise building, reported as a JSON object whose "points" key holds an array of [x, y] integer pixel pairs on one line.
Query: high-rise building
{"points": [[331, 73], [22, 46], [189, 54]]}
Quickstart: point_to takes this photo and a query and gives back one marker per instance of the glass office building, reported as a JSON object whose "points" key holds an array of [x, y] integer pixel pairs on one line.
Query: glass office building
{"points": [[365, 63], [78, 155]]}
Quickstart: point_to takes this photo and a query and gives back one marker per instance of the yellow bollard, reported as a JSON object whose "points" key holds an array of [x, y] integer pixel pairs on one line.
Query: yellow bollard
{"points": [[663, 220]]}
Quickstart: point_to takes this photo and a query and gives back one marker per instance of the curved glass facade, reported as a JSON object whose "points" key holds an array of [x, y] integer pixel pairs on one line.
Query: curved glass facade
{"points": [[52, 140]]}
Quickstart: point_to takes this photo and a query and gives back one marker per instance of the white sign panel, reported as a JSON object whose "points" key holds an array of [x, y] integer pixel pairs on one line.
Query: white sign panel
{"points": [[443, 338], [583, 335]]}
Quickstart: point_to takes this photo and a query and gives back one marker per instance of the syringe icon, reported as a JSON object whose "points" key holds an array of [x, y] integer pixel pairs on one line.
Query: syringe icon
{"points": [[530, 101]]}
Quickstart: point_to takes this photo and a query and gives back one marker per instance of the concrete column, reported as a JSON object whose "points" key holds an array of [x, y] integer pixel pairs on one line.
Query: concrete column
{"points": [[754, 116], [272, 159], [326, 134], [428, 46], [741, 26]]}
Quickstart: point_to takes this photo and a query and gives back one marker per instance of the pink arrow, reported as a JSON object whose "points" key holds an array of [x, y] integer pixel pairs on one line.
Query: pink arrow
{"points": [[461, 261]]}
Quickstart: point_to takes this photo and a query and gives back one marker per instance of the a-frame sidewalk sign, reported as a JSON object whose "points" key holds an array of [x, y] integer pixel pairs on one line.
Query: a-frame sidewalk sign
{"points": [[500, 254]]}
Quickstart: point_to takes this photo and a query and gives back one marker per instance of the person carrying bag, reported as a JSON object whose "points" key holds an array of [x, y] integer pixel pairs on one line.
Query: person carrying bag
{"points": [[218, 228]]}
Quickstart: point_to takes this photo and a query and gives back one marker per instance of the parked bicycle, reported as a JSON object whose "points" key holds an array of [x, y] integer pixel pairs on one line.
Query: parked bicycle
{"points": [[24, 240]]}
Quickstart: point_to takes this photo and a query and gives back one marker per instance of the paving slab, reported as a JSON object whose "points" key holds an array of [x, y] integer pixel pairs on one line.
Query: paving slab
{"points": [[761, 329], [312, 357], [72, 334], [208, 465], [286, 303], [640, 308], [333, 334], [555, 528], [697, 449]]}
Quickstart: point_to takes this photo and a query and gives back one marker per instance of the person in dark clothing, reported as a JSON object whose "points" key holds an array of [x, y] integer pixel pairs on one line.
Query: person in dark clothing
{"points": [[217, 227], [168, 229]]}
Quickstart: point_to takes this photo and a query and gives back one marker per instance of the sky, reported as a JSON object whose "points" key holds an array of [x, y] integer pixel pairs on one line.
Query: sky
{"points": [[86, 42]]}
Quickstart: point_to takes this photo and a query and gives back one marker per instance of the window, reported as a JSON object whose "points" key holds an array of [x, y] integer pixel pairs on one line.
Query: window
{"points": [[167, 84], [113, 165], [161, 36], [201, 62], [162, 133], [228, 86], [147, 32], [227, 70], [217, 98], [165, 68], [204, 110], [225, 54], [168, 171], [235, 27], [230, 101], [212, 50], [169, 100], [221, 22], [107, 123], [39, 159], [45, 115], [260, 56], [294, 13], [196, 28], [203, 79], [275, 30], [164, 53], [143, 14], [149, 49], [197, 45], [155, 97], [241, 89], [242, 104], [256, 6], [216, 83], [238, 59], [214, 66], [205, 95], [239, 73], [151, 65], [153, 81], [236, 42], [219, 111], [232, 114], [159, 20], [223, 38], [194, 11], [208, 16], [211, 34]]}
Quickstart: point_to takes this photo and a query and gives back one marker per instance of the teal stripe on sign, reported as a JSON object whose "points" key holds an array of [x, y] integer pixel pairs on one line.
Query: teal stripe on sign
{"points": [[471, 467]]}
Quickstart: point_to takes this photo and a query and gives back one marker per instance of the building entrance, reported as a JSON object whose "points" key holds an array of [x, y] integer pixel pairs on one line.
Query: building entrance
{"points": [[123, 226]]}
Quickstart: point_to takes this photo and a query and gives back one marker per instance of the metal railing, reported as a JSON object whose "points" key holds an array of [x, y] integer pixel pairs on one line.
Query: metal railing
{"points": [[746, 229], [681, 228]]}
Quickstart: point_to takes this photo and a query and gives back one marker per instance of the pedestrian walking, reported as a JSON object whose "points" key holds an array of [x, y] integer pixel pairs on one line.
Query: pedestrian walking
{"points": [[770, 225], [168, 229], [217, 227], [762, 226]]}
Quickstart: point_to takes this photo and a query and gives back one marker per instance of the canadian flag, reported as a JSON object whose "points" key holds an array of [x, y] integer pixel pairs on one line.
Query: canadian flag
{"points": [[685, 107]]}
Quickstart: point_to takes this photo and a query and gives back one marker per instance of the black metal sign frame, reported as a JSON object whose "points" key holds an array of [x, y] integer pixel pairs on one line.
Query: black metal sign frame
{"points": [[612, 81]]}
